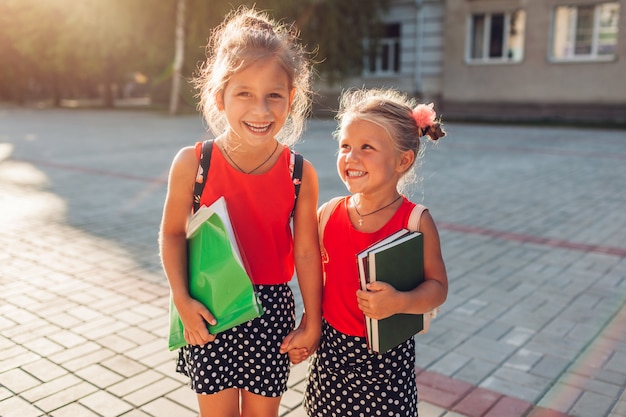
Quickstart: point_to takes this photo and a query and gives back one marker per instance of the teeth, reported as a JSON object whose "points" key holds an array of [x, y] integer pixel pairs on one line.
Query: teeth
{"points": [[259, 128], [355, 173]]}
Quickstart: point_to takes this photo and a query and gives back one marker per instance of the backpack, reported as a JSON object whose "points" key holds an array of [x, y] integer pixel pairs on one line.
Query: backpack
{"points": [[326, 209], [295, 165]]}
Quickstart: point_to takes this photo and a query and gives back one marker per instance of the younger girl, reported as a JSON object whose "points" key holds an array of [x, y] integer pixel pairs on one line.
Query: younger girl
{"points": [[254, 90], [378, 134]]}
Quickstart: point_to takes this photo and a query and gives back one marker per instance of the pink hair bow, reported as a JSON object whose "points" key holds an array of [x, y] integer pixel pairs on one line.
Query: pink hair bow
{"points": [[424, 115]]}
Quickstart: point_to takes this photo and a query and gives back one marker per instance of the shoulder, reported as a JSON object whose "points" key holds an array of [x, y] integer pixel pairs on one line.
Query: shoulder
{"points": [[329, 207], [308, 169], [185, 162]]}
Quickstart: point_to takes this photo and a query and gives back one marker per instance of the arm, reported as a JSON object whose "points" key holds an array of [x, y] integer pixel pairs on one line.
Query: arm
{"points": [[173, 246], [382, 300], [308, 265]]}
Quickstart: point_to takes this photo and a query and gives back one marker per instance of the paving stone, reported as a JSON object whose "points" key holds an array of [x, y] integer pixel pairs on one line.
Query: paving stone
{"points": [[99, 376], [476, 371], [477, 402], [134, 383], [184, 396], [152, 392], [17, 407], [509, 407], [65, 397], [530, 313], [105, 404], [73, 410], [550, 366], [48, 388], [592, 404], [523, 360], [162, 407], [17, 380]]}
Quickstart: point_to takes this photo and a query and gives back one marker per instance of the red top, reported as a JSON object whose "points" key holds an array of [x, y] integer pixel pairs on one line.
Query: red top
{"points": [[341, 276], [260, 208]]}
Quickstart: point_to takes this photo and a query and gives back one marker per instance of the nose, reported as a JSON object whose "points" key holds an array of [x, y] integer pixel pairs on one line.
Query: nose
{"points": [[351, 155], [261, 106]]}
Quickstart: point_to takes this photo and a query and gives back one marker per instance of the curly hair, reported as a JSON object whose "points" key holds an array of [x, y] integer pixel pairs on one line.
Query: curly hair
{"points": [[244, 37]]}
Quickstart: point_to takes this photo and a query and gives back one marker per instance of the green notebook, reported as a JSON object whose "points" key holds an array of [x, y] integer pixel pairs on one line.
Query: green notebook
{"points": [[399, 261], [217, 276]]}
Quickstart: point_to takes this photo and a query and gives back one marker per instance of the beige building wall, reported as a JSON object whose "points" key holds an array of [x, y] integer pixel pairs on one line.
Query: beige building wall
{"points": [[536, 86], [421, 52]]}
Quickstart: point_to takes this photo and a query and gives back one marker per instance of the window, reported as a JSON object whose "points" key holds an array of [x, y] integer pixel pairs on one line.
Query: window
{"points": [[585, 32], [496, 37], [383, 55]]}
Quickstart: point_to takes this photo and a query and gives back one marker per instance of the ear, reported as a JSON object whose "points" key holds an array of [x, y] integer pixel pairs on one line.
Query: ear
{"points": [[292, 95], [405, 162], [219, 100]]}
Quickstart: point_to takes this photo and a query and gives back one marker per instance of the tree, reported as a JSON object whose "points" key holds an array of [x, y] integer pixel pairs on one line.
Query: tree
{"points": [[335, 30], [179, 56], [68, 48]]}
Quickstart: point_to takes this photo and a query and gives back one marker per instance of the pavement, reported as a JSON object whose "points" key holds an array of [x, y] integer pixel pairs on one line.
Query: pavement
{"points": [[533, 232]]}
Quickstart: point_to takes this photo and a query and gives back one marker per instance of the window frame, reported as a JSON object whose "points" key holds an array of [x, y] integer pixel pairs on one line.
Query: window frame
{"points": [[486, 59], [593, 56], [393, 44]]}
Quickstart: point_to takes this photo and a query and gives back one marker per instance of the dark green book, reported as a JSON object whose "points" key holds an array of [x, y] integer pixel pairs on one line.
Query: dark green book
{"points": [[217, 276], [399, 262]]}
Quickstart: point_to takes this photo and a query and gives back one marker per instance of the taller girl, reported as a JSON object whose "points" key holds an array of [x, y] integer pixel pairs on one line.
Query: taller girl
{"points": [[255, 96]]}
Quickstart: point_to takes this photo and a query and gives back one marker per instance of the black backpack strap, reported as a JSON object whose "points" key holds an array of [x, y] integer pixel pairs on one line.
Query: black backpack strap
{"points": [[203, 169], [296, 176]]}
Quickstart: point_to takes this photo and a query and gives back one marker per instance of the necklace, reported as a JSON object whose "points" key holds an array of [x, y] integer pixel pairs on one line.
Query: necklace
{"points": [[375, 211], [258, 166]]}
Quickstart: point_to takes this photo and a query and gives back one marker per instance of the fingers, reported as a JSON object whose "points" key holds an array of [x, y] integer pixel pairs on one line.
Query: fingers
{"points": [[208, 317], [199, 335], [297, 355], [286, 345]]}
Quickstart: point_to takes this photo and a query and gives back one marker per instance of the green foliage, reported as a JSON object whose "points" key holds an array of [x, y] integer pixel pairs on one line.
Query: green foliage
{"points": [[76, 49]]}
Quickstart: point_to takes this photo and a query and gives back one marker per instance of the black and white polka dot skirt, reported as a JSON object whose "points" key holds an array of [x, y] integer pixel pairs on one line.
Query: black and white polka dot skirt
{"points": [[345, 379], [246, 356]]}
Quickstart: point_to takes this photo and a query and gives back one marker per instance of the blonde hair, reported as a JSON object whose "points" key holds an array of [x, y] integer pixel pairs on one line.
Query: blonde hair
{"points": [[244, 37], [393, 111]]}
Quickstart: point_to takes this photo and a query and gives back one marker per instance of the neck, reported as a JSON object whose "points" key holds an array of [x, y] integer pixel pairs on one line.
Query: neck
{"points": [[375, 210]]}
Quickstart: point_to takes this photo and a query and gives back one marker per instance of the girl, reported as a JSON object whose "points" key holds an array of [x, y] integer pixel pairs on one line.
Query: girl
{"points": [[378, 136], [254, 91]]}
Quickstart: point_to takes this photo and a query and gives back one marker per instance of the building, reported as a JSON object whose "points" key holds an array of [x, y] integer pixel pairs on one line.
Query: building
{"points": [[557, 60], [409, 56]]}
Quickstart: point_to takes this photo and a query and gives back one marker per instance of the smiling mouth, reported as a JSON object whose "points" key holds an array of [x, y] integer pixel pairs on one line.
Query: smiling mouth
{"points": [[355, 174], [258, 127]]}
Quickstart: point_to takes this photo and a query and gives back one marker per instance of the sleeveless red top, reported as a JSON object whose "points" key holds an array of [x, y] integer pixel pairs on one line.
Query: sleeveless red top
{"points": [[343, 242], [260, 209]]}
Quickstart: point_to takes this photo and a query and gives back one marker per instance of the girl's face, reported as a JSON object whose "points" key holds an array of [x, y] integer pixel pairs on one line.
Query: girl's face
{"points": [[256, 101], [367, 161]]}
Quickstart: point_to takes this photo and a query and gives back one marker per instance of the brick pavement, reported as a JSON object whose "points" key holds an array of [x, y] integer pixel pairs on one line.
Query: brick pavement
{"points": [[532, 226]]}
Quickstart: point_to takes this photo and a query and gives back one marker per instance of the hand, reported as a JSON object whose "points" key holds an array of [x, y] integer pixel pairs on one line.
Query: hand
{"points": [[297, 355], [195, 317], [379, 301], [302, 342]]}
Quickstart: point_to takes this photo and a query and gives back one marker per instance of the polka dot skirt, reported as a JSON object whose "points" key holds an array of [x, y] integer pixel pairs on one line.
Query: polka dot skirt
{"points": [[345, 379], [246, 356]]}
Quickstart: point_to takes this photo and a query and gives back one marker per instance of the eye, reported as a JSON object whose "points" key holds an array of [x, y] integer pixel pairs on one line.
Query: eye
{"points": [[276, 95]]}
